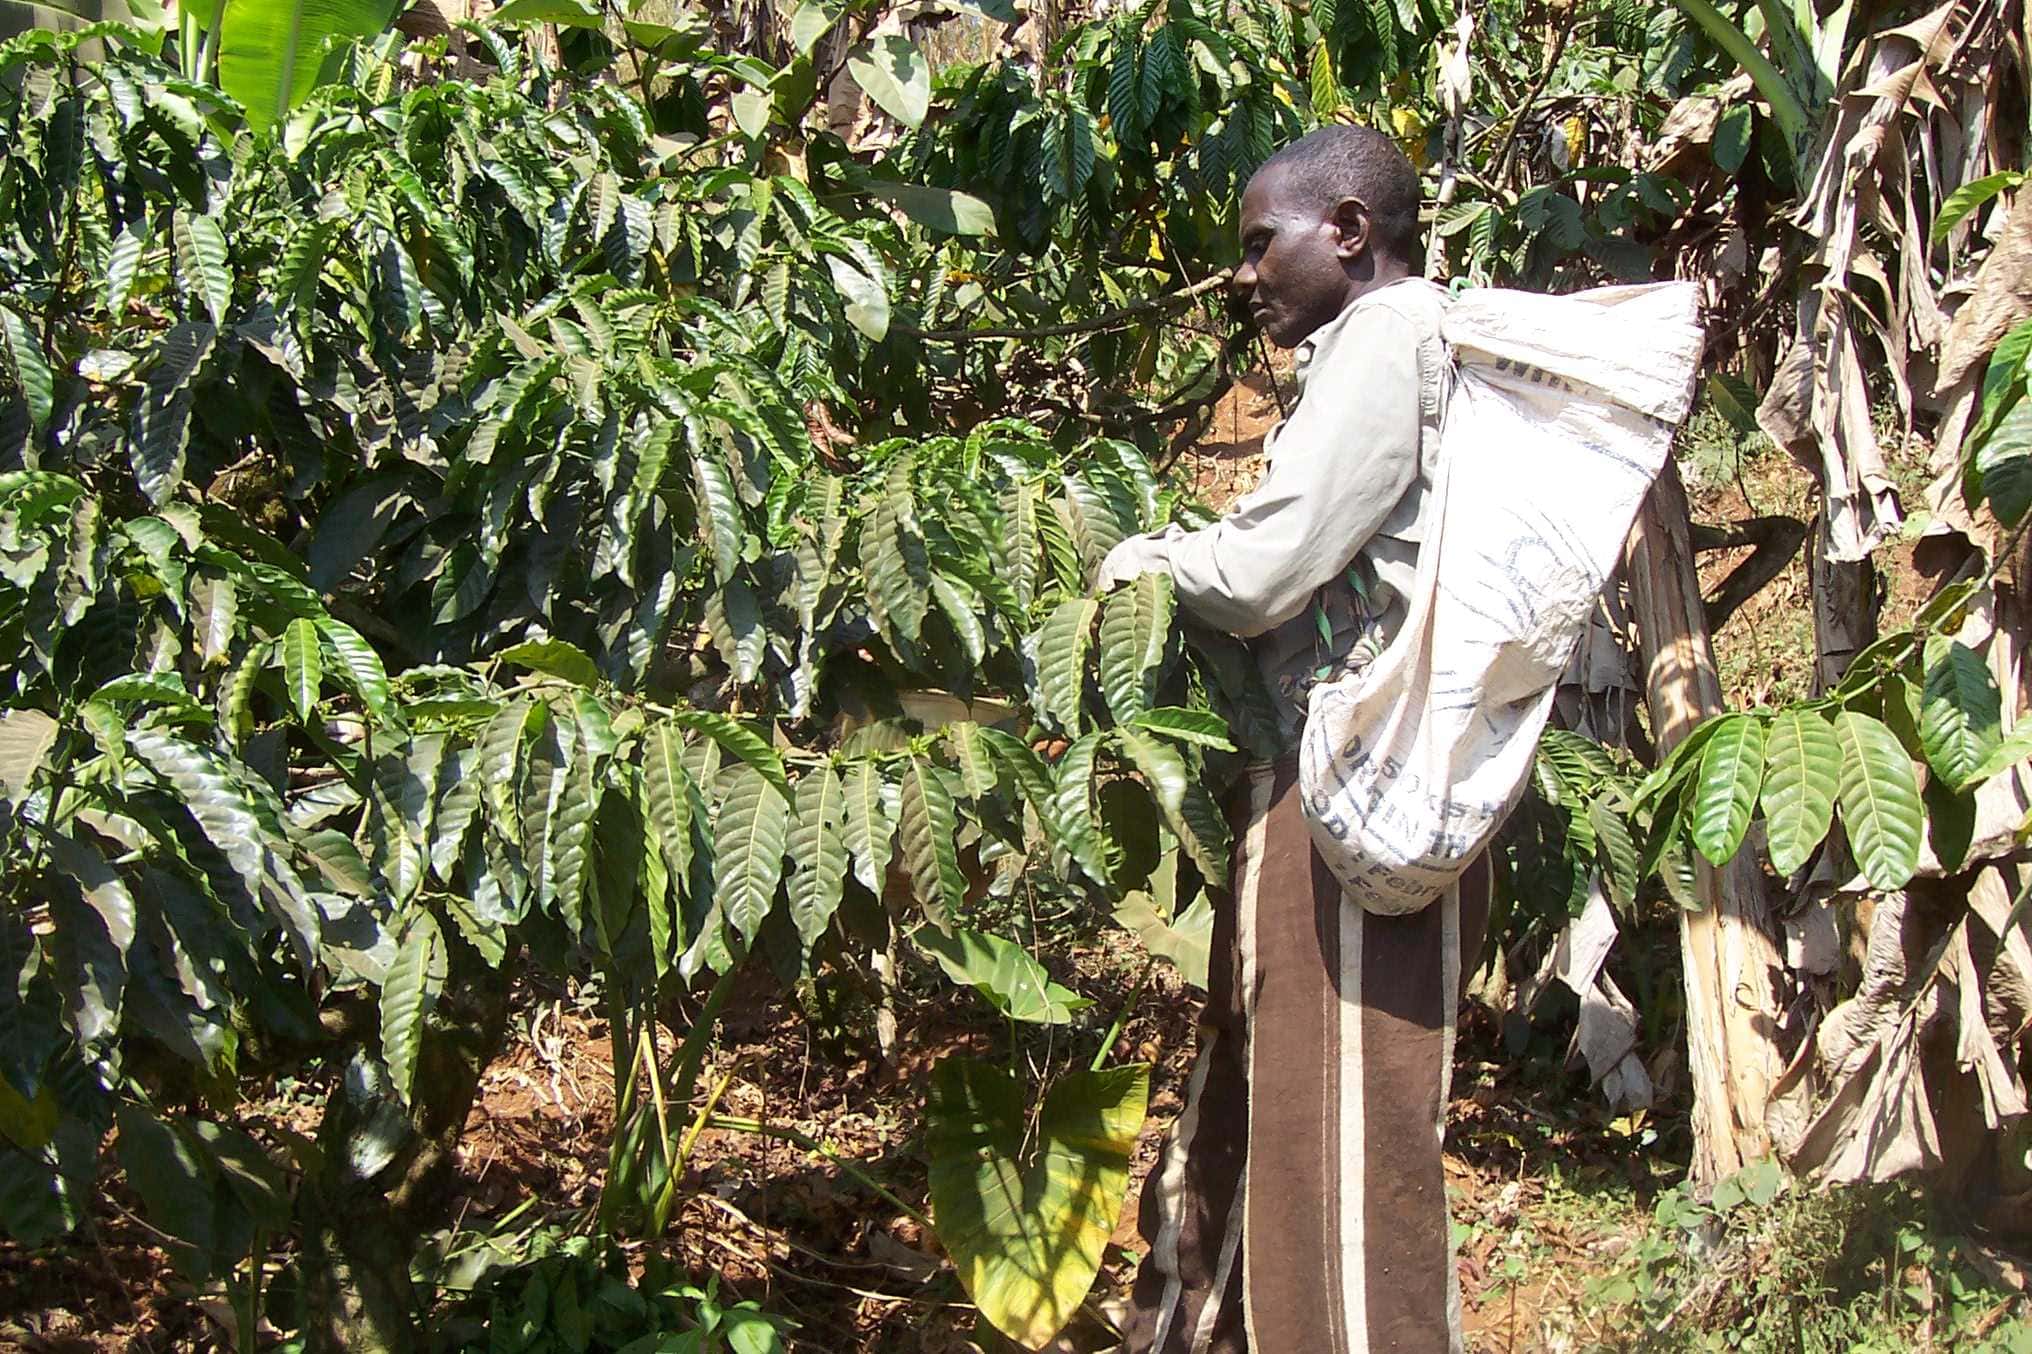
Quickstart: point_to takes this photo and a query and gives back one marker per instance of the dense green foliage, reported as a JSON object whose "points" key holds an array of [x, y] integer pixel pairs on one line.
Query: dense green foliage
{"points": [[563, 516]]}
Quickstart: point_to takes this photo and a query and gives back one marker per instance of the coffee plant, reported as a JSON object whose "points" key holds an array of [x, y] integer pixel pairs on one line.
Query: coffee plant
{"points": [[422, 567]]}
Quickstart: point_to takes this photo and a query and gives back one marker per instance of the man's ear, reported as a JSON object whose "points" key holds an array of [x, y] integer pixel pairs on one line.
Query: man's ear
{"points": [[1352, 222]]}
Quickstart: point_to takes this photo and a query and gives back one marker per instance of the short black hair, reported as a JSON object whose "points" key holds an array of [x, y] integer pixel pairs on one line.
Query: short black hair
{"points": [[1360, 162]]}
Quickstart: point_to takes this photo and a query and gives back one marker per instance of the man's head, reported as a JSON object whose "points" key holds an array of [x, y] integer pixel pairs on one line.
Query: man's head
{"points": [[1327, 218]]}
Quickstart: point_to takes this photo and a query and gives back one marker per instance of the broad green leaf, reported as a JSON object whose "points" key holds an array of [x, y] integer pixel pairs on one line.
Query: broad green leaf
{"points": [[1021, 539], [1879, 799], [1032, 776], [201, 258], [95, 929], [567, 861], [1732, 138], [1062, 661], [458, 803], [667, 796], [897, 567], [942, 209], [353, 660], [554, 658], [2004, 460], [751, 111], [818, 849], [1802, 775], [1325, 89], [176, 1186], [1960, 712], [160, 426], [1725, 789], [1617, 847], [500, 762], [2013, 750], [733, 617], [1027, 1233], [251, 1178], [1135, 631], [958, 604], [869, 827], [215, 616], [928, 829], [1680, 763], [970, 754], [27, 367], [410, 991], [1071, 816], [866, 296], [401, 792], [739, 739], [812, 20], [895, 75], [1002, 971], [564, 13], [1185, 938], [302, 666], [749, 840], [271, 52], [234, 815], [26, 736], [547, 781], [1203, 728], [719, 513], [1189, 811], [1970, 196]]}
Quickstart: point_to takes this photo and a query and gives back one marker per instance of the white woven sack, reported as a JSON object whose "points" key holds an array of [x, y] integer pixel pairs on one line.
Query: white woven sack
{"points": [[1562, 413]]}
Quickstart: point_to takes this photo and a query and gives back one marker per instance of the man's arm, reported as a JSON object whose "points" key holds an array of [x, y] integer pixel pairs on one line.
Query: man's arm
{"points": [[1340, 464]]}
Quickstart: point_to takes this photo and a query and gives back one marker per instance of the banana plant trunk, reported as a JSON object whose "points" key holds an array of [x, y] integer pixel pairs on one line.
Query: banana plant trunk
{"points": [[1733, 966]]}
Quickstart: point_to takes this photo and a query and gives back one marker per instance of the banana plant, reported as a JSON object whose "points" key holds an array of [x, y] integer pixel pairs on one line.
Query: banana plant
{"points": [[269, 54]]}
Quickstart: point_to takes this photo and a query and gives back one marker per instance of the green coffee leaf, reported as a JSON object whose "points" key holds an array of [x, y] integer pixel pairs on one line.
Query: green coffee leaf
{"points": [[1960, 711], [737, 738], [1135, 632], [302, 666], [200, 247], [928, 828], [868, 826], [1725, 789], [553, 658], [749, 840], [410, 991], [1879, 800], [818, 848], [1062, 661], [1802, 776]]}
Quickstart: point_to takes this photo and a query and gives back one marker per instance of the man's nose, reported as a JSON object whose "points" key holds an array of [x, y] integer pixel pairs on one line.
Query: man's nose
{"points": [[1243, 282]]}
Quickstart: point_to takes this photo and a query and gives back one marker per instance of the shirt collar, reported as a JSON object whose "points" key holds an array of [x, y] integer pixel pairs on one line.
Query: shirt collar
{"points": [[1317, 344]]}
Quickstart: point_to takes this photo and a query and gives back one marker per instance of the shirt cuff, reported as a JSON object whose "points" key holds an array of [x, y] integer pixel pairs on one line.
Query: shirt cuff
{"points": [[1137, 555]]}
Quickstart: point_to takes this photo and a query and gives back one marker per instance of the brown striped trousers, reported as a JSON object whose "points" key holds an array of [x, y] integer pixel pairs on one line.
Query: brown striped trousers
{"points": [[1300, 1206]]}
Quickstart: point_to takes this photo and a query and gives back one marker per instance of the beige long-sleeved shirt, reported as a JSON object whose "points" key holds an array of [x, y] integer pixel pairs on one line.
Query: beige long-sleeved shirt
{"points": [[1312, 565]]}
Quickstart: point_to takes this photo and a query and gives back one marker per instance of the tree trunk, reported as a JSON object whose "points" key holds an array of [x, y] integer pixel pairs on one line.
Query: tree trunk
{"points": [[1733, 967], [360, 1210]]}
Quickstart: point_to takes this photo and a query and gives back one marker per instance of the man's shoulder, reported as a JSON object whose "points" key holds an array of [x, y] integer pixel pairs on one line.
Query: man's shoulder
{"points": [[1413, 299]]}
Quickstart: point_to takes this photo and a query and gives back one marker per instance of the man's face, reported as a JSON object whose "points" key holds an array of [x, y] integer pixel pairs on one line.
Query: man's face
{"points": [[1291, 280]]}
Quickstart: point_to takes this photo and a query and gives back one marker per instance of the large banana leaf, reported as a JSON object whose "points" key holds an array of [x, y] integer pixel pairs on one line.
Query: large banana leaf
{"points": [[274, 52], [1027, 1235]]}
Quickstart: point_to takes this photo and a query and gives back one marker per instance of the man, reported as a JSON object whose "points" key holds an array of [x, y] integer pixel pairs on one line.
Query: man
{"points": [[1300, 1206]]}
